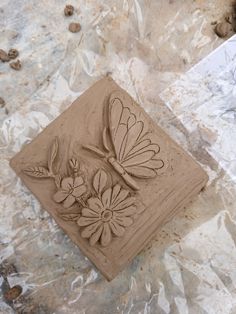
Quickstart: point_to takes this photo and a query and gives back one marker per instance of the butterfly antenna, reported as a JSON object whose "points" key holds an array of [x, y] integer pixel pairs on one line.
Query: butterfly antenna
{"points": [[94, 150]]}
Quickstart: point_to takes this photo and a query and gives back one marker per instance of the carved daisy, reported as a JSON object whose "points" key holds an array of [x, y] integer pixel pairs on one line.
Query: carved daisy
{"points": [[71, 189], [107, 215]]}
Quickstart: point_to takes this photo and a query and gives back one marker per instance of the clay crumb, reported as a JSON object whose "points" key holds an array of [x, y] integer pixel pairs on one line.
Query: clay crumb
{"points": [[4, 56], [222, 29], [13, 293], [16, 65], [2, 102], [13, 53], [213, 22], [74, 27], [228, 17], [69, 10]]}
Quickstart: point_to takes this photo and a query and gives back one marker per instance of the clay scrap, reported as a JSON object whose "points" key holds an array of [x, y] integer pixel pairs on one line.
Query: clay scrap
{"points": [[108, 175]]}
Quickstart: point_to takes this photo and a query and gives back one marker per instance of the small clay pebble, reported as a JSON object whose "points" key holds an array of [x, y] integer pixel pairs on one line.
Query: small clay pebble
{"points": [[222, 29], [13, 53], [16, 65], [74, 27], [13, 293], [4, 56], [2, 102], [69, 10]]}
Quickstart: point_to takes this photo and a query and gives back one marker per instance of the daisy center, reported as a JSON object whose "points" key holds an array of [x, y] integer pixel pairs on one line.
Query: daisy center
{"points": [[106, 215]]}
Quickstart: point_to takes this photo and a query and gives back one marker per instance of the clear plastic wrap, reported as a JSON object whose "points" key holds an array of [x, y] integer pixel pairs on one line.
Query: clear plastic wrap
{"points": [[190, 266]]}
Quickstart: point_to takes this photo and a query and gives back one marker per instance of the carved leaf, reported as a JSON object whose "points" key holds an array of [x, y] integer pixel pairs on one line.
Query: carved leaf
{"points": [[105, 139], [100, 181], [37, 172], [53, 154], [58, 180], [70, 217]]}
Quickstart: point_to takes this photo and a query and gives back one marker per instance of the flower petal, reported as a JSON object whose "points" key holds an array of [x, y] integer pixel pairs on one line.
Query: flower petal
{"points": [[106, 198], [126, 203], [95, 204], [123, 221], [87, 212], [122, 196], [69, 201], [106, 235], [89, 230], [78, 181], [85, 221], [128, 211], [95, 237], [67, 183], [79, 190], [60, 196], [116, 229], [115, 191]]}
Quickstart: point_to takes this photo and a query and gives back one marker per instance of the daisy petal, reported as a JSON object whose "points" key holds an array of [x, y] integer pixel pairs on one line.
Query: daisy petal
{"points": [[89, 230], [126, 203], [69, 201], [79, 190], [67, 183], [78, 181], [60, 196], [85, 221], [106, 198], [95, 237], [115, 192], [87, 212], [122, 196], [106, 235], [116, 229], [128, 211], [95, 204], [123, 221]]}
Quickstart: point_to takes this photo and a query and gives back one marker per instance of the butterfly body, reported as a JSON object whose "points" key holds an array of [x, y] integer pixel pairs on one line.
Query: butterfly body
{"points": [[115, 164]]}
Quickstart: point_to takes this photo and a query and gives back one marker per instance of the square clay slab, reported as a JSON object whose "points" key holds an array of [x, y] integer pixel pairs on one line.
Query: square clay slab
{"points": [[108, 175]]}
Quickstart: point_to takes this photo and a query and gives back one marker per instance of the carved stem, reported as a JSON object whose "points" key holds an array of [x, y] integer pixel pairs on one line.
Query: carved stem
{"points": [[81, 201]]}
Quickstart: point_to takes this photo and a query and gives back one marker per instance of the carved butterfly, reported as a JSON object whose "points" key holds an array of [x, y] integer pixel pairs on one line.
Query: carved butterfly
{"points": [[135, 154]]}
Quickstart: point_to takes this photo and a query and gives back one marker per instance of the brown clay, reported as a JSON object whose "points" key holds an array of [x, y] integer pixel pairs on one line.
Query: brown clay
{"points": [[13, 293], [223, 29], [2, 102], [108, 175], [4, 56], [13, 53], [16, 65], [74, 27], [69, 10]]}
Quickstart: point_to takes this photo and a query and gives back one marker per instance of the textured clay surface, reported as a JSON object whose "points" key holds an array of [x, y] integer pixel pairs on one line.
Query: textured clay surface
{"points": [[108, 175]]}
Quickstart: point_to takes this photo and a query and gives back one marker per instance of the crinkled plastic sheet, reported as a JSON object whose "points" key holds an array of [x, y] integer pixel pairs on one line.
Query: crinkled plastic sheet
{"points": [[190, 266]]}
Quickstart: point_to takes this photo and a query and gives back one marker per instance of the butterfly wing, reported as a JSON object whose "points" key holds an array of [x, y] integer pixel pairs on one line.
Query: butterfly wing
{"points": [[120, 121], [134, 150], [144, 165]]}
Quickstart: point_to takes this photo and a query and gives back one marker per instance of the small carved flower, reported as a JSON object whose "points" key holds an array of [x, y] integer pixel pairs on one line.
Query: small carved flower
{"points": [[107, 215], [71, 189], [74, 164]]}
